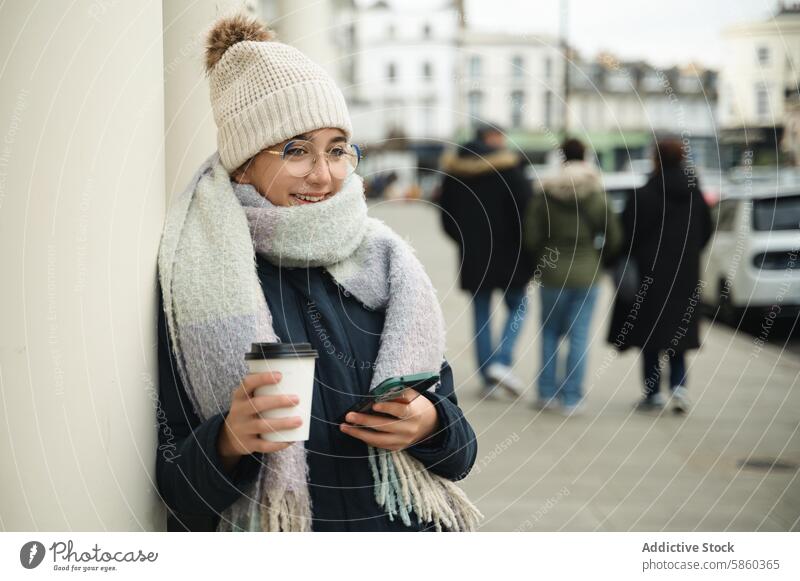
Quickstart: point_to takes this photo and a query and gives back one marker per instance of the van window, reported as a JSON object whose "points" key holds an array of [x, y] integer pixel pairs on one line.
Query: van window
{"points": [[780, 213]]}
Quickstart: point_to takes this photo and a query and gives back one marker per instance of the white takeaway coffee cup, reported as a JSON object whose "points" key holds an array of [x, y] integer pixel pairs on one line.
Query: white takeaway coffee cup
{"points": [[296, 363]]}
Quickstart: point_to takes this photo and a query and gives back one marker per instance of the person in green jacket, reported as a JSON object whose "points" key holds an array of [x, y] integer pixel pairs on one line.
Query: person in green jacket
{"points": [[568, 226]]}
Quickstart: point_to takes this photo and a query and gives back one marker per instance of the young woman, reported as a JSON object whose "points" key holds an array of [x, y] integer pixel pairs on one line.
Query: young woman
{"points": [[271, 242], [667, 224]]}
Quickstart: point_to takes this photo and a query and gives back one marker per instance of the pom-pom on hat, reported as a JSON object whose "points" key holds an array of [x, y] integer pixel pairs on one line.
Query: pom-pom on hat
{"points": [[264, 92]]}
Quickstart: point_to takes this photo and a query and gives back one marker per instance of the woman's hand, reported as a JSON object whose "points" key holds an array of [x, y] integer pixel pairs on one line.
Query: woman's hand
{"points": [[240, 433], [414, 418]]}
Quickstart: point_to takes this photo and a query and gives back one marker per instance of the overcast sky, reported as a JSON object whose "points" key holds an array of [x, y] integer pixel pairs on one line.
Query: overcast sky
{"points": [[661, 32]]}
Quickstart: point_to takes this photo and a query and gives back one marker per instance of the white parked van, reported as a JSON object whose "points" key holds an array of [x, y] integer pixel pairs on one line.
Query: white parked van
{"points": [[752, 261]]}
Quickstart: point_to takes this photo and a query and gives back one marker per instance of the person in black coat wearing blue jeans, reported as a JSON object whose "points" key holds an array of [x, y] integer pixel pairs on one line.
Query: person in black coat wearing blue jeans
{"points": [[484, 196]]}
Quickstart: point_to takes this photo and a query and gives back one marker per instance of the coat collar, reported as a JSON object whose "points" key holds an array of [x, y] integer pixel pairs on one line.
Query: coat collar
{"points": [[472, 166], [577, 179]]}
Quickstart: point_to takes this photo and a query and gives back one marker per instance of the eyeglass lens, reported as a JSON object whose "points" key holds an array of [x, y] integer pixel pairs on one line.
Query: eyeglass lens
{"points": [[301, 156]]}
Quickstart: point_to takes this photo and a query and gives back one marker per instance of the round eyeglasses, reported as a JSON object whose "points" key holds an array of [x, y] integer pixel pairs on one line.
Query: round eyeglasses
{"points": [[300, 157]]}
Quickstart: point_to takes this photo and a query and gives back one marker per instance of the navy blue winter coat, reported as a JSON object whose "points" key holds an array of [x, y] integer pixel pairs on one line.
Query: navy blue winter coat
{"points": [[307, 306]]}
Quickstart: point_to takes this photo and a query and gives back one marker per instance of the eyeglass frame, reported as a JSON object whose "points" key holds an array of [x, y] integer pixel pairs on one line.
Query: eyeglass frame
{"points": [[358, 153]]}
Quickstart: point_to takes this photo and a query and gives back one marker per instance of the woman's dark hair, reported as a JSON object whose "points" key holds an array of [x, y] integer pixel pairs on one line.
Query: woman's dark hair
{"points": [[573, 149], [668, 154]]}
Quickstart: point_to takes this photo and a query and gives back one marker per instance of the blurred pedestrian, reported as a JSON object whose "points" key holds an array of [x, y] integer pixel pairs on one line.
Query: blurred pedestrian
{"points": [[667, 223], [483, 199], [567, 229]]}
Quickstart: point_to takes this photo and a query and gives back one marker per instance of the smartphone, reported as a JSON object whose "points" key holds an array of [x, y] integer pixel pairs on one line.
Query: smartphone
{"points": [[390, 389]]}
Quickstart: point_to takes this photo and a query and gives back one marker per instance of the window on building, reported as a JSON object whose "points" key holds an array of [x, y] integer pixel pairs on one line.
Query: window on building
{"points": [[762, 100], [427, 120], [394, 116], [427, 70], [517, 108], [548, 67], [474, 106], [391, 72], [548, 109], [426, 31], [517, 66], [727, 95], [762, 53], [584, 109], [475, 66]]}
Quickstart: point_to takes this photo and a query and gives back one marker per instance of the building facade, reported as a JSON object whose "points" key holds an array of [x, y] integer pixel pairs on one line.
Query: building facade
{"points": [[422, 80], [620, 108], [515, 81], [759, 84], [398, 70]]}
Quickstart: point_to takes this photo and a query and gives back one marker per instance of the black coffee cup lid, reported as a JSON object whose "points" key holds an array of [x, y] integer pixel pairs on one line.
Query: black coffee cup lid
{"points": [[280, 350]]}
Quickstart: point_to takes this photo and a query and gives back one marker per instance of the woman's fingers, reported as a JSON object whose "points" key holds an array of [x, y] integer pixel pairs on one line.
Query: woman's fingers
{"points": [[385, 440], [253, 381], [399, 410], [407, 423], [269, 425], [382, 423], [266, 447], [270, 402], [407, 396]]}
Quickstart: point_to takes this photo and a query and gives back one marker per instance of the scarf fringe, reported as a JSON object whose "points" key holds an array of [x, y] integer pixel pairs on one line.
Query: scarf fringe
{"points": [[403, 485], [287, 512]]}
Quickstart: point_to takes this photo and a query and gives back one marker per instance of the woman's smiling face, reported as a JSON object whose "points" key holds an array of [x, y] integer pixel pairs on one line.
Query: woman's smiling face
{"points": [[268, 174]]}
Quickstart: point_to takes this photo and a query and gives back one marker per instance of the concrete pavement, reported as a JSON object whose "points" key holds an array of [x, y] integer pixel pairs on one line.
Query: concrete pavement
{"points": [[612, 469]]}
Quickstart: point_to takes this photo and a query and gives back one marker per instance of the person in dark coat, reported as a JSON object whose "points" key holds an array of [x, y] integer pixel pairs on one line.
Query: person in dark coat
{"points": [[667, 224], [483, 199], [271, 242]]}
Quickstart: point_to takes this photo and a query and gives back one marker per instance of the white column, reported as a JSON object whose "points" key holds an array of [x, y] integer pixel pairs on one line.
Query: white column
{"points": [[190, 131], [81, 210], [308, 25]]}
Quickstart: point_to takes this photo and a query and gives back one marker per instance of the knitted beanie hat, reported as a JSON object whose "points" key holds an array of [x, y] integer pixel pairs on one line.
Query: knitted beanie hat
{"points": [[264, 92]]}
